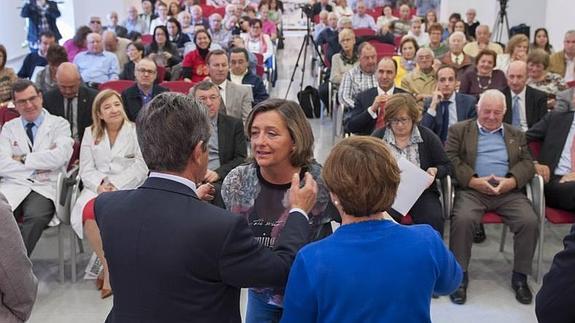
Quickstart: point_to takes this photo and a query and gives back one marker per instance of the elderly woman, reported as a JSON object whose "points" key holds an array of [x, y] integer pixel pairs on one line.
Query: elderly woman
{"points": [[420, 146], [406, 60], [516, 49], [185, 20], [46, 78], [342, 9], [540, 78], [281, 141], [258, 42], [541, 41], [110, 160], [135, 51], [386, 18], [371, 269], [194, 64], [7, 77], [483, 77], [340, 63]]}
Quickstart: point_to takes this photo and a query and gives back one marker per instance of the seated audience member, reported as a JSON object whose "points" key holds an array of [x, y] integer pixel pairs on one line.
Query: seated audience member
{"points": [[321, 5], [483, 76], [46, 78], [541, 41], [404, 137], [177, 37], [227, 144], [229, 12], [198, 18], [425, 6], [34, 149], [96, 25], [135, 52], [421, 81], [416, 32], [438, 47], [134, 23], [342, 9], [540, 78], [387, 17], [185, 20], [556, 161], [162, 51], [563, 61], [430, 18], [403, 24], [471, 23], [237, 99], [238, 42], [117, 46], [406, 58], [256, 191], [173, 9], [362, 201], [450, 28], [554, 301], [219, 34], [361, 19], [140, 94], [516, 50], [490, 178], [225, 250], [78, 43], [269, 27], [114, 26], [455, 56], [162, 18], [7, 77], [71, 100], [18, 285], [258, 42], [37, 58], [329, 36], [147, 15], [96, 65], [194, 63], [217, 3], [527, 105], [359, 78], [369, 105], [482, 41], [446, 107], [321, 25], [240, 74], [462, 27], [250, 11], [110, 160]]}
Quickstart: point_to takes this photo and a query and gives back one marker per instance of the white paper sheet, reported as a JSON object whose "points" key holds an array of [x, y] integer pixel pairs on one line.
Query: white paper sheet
{"points": [[414, 181]]}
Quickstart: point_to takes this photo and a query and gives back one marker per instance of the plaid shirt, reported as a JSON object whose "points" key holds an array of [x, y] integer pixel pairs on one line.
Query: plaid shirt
{"points": [[43, 26], [354, 82]]}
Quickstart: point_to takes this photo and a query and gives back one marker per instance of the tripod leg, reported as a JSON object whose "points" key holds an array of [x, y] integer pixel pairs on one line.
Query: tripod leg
{"points": [[295, 68]]}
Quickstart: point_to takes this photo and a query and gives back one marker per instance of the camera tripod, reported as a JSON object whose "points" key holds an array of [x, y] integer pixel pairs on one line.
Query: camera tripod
{"points": [[502, 19]]}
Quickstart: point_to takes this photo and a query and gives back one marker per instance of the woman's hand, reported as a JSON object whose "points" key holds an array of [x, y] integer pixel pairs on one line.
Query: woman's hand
{"points": [[106, 187], [206, 192], [433, 172]]}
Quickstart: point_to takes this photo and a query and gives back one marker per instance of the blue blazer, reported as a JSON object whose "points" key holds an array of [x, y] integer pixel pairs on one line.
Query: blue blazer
{"points": [[174, 258], [465, 106]]}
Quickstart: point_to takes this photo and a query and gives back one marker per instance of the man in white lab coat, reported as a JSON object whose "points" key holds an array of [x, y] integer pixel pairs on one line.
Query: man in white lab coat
{"points": [[34, 148]]}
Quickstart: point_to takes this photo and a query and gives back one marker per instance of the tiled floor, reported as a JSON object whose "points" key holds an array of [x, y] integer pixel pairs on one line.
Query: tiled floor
{"points": [[490, 298]]}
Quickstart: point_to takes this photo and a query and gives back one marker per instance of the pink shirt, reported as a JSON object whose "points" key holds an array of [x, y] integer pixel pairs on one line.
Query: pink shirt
{"points": [[72, 49]]}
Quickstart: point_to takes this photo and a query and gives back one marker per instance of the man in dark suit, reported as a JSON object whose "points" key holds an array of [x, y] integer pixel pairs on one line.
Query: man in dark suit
{"points": [[320, 6], [556, 161], [240, 74], [554, 302], [138, 95], [525, 105], [71, 100], [492, 165], [172, 257], [227, 145], [369, 104], [446, 107]]}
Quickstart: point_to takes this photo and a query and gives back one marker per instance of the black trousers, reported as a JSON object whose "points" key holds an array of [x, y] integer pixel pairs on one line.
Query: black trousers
{"points": [[426, 210], [36, 211], [560, 195]]}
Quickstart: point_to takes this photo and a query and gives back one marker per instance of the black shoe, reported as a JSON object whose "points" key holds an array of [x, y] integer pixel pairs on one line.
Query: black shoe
{"points": [[479, 235], [522, 292], [460, 295]]}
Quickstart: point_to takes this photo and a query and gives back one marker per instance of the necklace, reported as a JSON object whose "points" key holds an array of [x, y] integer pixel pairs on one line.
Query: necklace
{"points": [[482, 88]]}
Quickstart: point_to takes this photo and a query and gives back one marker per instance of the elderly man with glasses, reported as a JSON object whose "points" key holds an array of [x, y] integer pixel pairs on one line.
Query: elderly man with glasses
{"points": [[138, 95]]}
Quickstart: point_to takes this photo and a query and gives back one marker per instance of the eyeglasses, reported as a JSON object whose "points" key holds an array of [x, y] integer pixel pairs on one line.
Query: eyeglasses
{"points": [[24, 102], [211, 98], [403, 121], [145, 71], [96, 22]]}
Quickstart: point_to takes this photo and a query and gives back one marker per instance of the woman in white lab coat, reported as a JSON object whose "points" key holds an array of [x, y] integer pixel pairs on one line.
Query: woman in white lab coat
{"points": [[110, 159]]}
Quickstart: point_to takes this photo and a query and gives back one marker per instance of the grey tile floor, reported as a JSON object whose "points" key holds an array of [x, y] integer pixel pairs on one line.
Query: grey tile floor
{"points": [[490, 297]]}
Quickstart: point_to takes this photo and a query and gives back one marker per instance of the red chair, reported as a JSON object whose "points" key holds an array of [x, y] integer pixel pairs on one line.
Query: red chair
{"points": [[324, 49], [147, 39], [397, 41], [571, 84], [178, 86], [383, 49], [260, 70], [116, 85], [7, 114], [207, 10], [221, 11], [363, 32], [161, 73], [374, 13]]}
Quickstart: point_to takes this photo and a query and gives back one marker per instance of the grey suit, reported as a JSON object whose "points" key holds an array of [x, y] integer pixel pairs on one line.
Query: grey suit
{"points": [[239, 100], [18, 285]]}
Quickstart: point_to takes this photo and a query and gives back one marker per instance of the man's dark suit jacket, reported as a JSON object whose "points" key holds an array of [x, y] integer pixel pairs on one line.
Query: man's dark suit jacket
{"points": [[258, 88], [317, 8], [133, 102], [331, 38], [464, 104], [555, 299], [231, 144], [54, 102], [174, 258], [360, 121], [461, 148], [535, 105]]}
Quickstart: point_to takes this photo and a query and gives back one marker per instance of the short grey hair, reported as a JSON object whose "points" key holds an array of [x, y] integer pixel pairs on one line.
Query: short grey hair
{"points": [[492, 95], [425, 50], [457, 34], [203, 86], [569, 32], [169, 128]]}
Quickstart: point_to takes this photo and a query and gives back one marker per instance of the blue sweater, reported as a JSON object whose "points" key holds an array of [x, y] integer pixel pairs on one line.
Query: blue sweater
{"points": [[373, 271]]}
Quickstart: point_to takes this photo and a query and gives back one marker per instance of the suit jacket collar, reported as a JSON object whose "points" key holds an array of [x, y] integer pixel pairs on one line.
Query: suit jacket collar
{"points": [[167, 185]]}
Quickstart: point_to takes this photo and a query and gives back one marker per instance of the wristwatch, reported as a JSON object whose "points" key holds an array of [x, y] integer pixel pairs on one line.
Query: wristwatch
{"points": [[23, 159]]}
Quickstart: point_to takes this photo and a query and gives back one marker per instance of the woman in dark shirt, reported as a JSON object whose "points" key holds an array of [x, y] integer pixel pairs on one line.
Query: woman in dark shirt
{"points": [[483, 77], [177, 38], [135, 51], [161, 50]]}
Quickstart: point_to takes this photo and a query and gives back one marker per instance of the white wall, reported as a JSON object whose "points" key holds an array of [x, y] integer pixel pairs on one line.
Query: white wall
{"points": [[13, 28], [559, 19]]}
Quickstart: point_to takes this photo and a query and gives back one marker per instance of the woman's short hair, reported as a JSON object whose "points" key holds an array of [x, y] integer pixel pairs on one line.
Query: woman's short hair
{"points": [[435, 27], [486, 52], [402, 102], [56, 55], [296, 123], [99, 125], [175, 22], [4, 55], [80, 36], [408, 39], [515, 41], [138, 45], [538, 56], [363, 174], [346, 32]]}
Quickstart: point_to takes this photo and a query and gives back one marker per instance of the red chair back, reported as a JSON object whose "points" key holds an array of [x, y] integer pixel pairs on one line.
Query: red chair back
{"points": [[161, 73], [491, 218], [116, 85], [374, 13], [324, 49], [75, 155], [363, 32], [397, 41], [207, 10], [383, 49], [7, 114], [147, 39], [571, 84], [259, 58], [178, 86], [260, 70], [535, 147]]}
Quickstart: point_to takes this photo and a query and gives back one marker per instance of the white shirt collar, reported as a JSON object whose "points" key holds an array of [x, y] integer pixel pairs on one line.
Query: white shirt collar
{"points": [[380, 91], [175, 178], [481, 128], [520, 94]]}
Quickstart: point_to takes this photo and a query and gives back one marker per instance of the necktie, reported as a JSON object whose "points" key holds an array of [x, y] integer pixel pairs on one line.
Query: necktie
{"points": [[69, 112], [516, 117], [445, 126], [29, 132], [456, 60]]}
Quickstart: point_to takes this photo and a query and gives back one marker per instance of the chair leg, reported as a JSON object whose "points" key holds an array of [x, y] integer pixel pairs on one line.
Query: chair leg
{"points": [[503, 236], [80, 244], [540, 252], [73, 253], [61, 253]]}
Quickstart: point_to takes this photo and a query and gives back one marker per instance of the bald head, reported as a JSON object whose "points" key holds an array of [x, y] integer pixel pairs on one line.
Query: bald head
{"points": [[94, 43], [517, 76], [110, 40], [68, 80]]}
